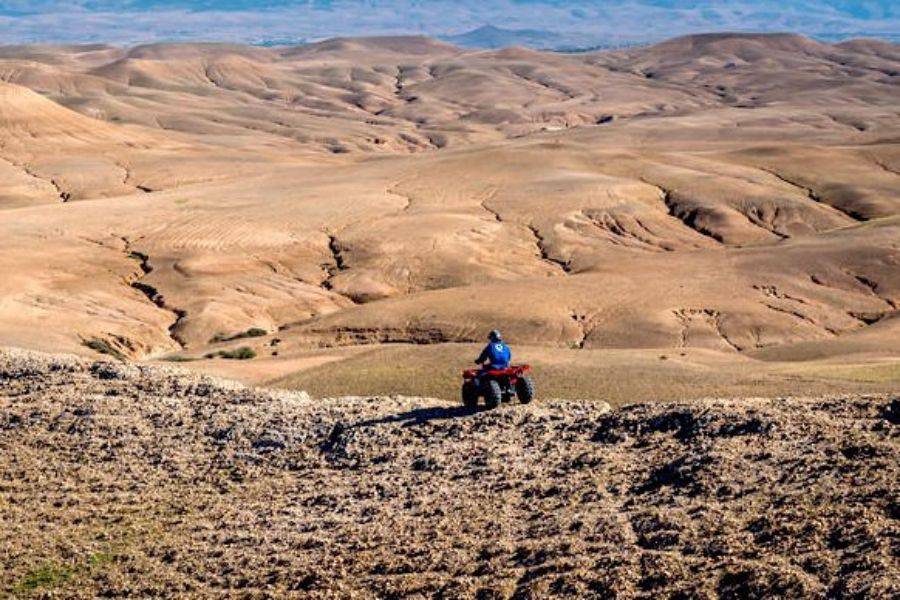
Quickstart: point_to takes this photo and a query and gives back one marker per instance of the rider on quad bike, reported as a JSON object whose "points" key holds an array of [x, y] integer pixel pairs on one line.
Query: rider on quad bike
{"points": [[496, 380], [496, 355]]}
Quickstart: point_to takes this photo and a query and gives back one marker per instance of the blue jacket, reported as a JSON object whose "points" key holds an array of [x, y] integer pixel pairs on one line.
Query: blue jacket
{"points": [[497, 355]]}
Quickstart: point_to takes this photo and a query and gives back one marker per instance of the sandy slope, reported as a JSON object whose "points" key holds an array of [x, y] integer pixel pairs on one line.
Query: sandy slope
{"points": [[132, 480], [736, 193]]}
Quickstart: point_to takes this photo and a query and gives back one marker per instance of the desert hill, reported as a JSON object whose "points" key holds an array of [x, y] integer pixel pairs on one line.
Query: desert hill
{"points": [[728, 197], [133, 480]]}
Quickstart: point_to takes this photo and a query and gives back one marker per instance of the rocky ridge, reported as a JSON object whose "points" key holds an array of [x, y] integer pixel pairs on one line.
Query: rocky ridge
{"points": [[123, 480]]}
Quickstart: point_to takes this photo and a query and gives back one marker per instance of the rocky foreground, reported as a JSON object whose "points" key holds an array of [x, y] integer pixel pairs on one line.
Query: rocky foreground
{"points": [[123, 480]]}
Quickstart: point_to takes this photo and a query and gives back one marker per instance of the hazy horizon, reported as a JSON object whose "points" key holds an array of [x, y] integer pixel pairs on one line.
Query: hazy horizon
{"points": [[544, 23]]}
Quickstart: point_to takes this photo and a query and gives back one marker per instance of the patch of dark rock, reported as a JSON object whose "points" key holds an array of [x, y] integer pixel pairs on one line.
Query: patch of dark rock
{"points": [[679, 474], [659, 571], [584, 461], [107, 371], [269, 440], [10, 421], [753, 582], [892, 412], [656, 535], [617, 428], [763, 530], [424, 463], [305, 583], [223, 435], [335, 438], [861, 451], [753, 426], [893, 509]]}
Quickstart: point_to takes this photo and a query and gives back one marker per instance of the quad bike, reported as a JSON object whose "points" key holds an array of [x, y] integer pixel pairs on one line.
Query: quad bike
{"points": [[496, 386]]}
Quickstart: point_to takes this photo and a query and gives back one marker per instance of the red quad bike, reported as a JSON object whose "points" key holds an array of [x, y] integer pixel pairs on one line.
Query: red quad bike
{"points": [[497, 386]]}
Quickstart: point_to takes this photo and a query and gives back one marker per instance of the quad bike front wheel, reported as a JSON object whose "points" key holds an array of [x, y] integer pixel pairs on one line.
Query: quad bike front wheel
{"points": [[525, 390], [470, 395], [493, 395]]}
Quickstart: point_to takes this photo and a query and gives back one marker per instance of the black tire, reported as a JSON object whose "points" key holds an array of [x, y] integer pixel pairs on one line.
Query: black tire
{"points": [[493, 395], [525, 390], [470, 395]]}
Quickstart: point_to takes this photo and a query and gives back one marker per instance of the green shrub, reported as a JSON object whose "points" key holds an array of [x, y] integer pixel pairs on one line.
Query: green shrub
{"points": [[47, 575], [242, 353], [98, 559], [180, 359], [104, 347], [253, 332]]}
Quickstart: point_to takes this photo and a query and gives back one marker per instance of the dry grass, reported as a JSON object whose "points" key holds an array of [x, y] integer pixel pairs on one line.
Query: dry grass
{"points": [[615, 376], [887, 374]]}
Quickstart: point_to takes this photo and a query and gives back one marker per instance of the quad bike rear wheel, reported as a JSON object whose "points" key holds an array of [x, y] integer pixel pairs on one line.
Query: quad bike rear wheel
{"points": [[470, 395], [493, 395], [525, 390]]}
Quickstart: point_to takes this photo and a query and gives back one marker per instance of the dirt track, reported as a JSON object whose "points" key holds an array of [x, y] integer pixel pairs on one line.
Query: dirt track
{"points": [[123, 480]]}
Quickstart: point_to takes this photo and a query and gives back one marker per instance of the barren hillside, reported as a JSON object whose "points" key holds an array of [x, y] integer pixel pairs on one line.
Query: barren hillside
{"points": [[726, 193], [139, 481]]}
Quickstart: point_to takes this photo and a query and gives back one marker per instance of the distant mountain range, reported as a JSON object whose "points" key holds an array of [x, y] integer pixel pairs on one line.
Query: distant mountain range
{"points": [[567, 24], [490, 37]]}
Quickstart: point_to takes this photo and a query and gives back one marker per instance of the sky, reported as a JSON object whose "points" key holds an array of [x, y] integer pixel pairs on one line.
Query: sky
{"points": [[574, 23]]}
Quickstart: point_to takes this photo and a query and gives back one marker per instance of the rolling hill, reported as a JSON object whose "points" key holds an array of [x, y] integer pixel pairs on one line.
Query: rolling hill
{"points": [[729, 197]]}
